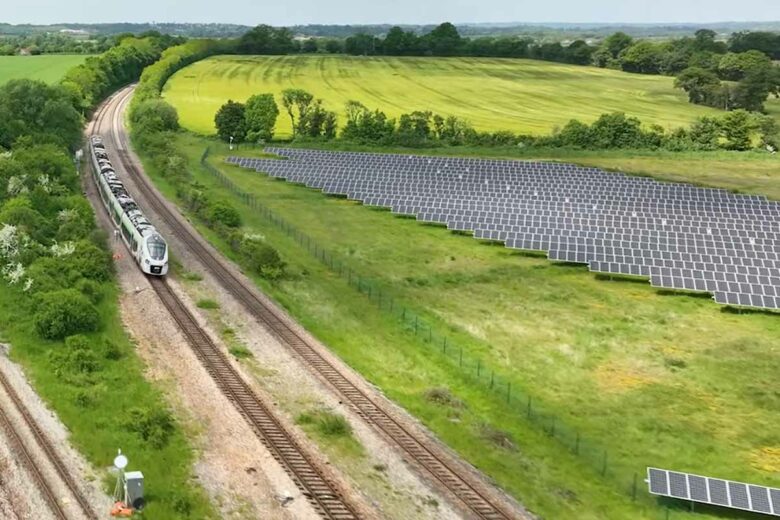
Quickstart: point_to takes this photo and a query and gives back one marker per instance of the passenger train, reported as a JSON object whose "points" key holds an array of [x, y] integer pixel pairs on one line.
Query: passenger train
{"points": [[146, 244]]}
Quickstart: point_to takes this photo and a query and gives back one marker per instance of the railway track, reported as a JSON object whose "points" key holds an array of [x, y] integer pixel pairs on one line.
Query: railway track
{"points": [[320, 491], [46, 446], [420, 449]]}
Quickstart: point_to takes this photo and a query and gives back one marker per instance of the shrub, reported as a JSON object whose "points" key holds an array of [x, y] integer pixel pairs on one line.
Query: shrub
{"points": [[223, 213], [261, 257], [153, 426], [155, 115], [207, 304], [63, 313]]}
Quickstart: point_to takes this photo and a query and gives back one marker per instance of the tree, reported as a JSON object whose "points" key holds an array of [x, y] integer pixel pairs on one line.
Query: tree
{"points": [[735, 66], [333, 46], [616, 131], [155, 115], [297, 102], [362, 45], [45, 113], [63, 313], [579, 52], [230, 121], [754, 89], [444, 40], [400, 43], [309, 46], [766, 42], [705, 133], [704, 41], [698, 83], [737, 127], [643, 57], [261, 115], [617, 43], [265, 39]]}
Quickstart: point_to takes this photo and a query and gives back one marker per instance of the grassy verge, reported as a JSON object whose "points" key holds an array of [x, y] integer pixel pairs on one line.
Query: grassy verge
{"points": [[97, 415], [659, 379]]}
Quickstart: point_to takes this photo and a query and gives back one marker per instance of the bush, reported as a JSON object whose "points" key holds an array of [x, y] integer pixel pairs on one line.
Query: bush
{"points": [[154, 115], [63, 313], [153, 426], [76, 361], [261, 257], [223, 213]]}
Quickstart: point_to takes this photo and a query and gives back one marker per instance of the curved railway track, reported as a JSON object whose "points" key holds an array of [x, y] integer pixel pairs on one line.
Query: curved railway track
{"points": [[321, 492], [420, 449], [46, 446]]}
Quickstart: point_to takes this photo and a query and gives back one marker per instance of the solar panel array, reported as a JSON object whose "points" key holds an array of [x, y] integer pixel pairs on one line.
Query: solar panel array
{"points": [[679, 236], [719, 492]]}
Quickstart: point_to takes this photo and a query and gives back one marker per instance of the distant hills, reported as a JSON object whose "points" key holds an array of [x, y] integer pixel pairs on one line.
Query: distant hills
{"points": [[551, 31]]}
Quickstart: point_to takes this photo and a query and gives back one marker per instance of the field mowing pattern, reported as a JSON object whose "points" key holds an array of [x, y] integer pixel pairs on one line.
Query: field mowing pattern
{"points": [[48, 68], [526, 96]]}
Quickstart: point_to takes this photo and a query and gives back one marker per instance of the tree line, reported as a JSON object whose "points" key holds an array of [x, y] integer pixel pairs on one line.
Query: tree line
{"points": [[255, 120], [51, 251]]}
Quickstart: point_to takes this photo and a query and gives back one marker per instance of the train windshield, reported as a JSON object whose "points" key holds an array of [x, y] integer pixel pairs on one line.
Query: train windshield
{"points": [[156, 246]]}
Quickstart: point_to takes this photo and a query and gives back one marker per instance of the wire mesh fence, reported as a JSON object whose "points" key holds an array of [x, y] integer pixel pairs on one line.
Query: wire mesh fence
{"points": [[627, 478]]}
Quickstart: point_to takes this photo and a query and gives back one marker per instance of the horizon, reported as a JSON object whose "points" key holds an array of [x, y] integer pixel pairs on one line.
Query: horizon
{"points": [[398, 12]]}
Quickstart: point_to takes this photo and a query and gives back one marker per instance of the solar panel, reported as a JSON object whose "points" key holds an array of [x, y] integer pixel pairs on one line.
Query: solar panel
{"points": [[681, 237], [719, 492]]}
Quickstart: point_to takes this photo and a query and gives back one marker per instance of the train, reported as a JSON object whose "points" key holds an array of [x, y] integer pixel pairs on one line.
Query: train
{"points": [[148, 247]]}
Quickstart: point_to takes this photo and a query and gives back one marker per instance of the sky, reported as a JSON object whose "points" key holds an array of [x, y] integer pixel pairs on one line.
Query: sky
{"points": [[293, 12]]}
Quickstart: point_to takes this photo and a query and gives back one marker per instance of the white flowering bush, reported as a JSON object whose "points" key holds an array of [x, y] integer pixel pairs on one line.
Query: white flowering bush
{"points": [[9, 242], [13, 272], [17, 185], [64, 249]]}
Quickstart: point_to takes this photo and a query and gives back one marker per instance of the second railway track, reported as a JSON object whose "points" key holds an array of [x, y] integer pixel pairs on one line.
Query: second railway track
{"points": [[420, 449], [27, 459]]}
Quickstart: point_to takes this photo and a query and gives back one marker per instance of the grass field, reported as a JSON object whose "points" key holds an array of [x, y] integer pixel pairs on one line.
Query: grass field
{"points": [[49, 67], [493, 94], [657, 378]]}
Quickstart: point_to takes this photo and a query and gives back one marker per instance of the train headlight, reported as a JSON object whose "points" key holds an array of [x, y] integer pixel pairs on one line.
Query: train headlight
{"points": [[146, 261]]}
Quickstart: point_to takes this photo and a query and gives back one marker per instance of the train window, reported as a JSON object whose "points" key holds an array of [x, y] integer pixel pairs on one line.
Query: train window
{"points": [[126, 232], [156, 246]]}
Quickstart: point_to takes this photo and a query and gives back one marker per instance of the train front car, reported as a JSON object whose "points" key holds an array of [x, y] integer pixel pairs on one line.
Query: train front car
{"points": [[154, 257]]}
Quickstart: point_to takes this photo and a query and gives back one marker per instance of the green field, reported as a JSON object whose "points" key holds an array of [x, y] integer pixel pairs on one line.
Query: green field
{"points": [[653, 377], [49, 67], [493, 94]]}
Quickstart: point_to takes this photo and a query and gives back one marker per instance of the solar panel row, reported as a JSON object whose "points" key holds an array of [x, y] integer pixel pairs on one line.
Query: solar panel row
{"points": [[679, 236], [720, 492]]}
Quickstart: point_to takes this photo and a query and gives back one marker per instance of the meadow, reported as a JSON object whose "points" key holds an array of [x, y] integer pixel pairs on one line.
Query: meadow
{"points": [[657, 378], [48, 68], [524, 96]]}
